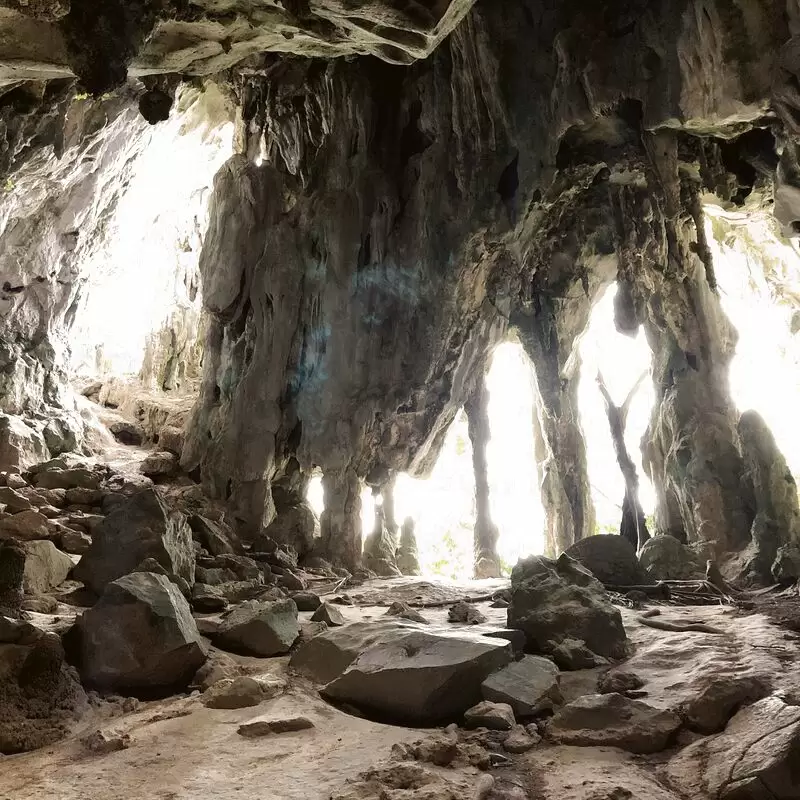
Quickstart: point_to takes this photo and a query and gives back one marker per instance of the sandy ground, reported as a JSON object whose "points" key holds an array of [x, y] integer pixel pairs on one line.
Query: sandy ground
{"points": [[180, 750]]}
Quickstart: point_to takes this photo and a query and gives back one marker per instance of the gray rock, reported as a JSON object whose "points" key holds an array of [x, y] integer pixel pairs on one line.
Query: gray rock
{"points": [[619, 681], [755, 758], [529, 686], [75, 542], [556, 600], [56, 475], [13, 500], [41, 604], [216, 537], [207, 599], [786, 567], [159, 464], [574, 654], [141, 527], [612, 720], [664, 558], [465, 612], [308, 630], [45, 567], [258, 628], [329, 614], [405, 611], [296, 526], [610, 558], [494, 716], [21, 446], [140, 637], [415, 675], [306, 601]]}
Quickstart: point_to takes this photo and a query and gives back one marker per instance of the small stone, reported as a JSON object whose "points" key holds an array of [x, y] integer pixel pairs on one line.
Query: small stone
{"points": [[405, 611], [466, 612], [43, 604], [15, 481], [519, 740], [574, 654], [241, 692], [328, 614], [619, 681], [102, 744], [127, 433], [289, 580], [159, 464], [495, 716], [252, 730]]}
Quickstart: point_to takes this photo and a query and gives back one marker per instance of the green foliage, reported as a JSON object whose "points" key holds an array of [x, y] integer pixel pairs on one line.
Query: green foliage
{"points": [[607, 528], [9, 185], [82, 96]]}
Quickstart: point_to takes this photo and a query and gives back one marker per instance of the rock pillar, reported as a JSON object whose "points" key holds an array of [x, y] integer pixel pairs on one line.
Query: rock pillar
{"points": [[340, 523], [486, 534], [558, 438]]}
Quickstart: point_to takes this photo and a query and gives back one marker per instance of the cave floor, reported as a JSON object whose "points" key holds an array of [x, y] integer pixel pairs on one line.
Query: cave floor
{"points": [[180, 750]]}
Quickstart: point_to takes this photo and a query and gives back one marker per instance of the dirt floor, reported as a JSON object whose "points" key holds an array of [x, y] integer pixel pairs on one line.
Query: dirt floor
{"points": [[180, 750]]}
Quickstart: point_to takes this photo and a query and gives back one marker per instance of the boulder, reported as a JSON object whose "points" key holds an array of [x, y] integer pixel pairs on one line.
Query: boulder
{"points": [[53, 475], [465, 612], [612, 720], [494, 716], [405, 611], [216, 537], [664, 558], [786, 567], [418, 675], [306, 601], [208, 599], [556, 600], [296, 526], [329, 614], [45, 567], [83, 497], [159, 464], [139, 528], [140, 637], [20, 445], [610, 558], [27, 525], [755, 758], [40, 695], [75, 542], [259, 628], [13, 500], [529, 686]]}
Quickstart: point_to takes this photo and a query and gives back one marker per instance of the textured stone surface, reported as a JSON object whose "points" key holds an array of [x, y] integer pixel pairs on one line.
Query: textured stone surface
{"points": [[141, 527], [529, 686], [554, 601], [259, 628], [418, 676], [612, 720], [610, 558], [664, 558], [494, 716], [140, 636], [45, 567], [755, 757]]}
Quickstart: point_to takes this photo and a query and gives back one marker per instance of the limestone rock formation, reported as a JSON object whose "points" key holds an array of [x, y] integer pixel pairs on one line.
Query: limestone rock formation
{"points": [[141, 527], [140, 637], [612, 720], [12, 576], [407, 552], [610, 558], [494, 716], [664, 558], [756, 756], [555, 602], [777, 521], [418, 676]]}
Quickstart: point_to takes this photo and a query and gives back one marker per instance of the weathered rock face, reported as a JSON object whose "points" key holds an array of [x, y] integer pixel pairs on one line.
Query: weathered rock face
{"points": [[558, 602], [664, 558], [140, 636], [610, 558], [419, 676], [756, 756], [258, 628], [142, 527]]}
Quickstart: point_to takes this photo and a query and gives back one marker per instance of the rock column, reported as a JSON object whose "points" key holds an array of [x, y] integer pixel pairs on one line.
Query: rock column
{"points": [[340, 523], [486, 533]]}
